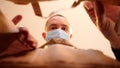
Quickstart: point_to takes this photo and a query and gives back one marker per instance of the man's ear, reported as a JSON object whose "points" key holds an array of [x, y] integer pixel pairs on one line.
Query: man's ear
{"points": [[44, 35], [70, 35]]}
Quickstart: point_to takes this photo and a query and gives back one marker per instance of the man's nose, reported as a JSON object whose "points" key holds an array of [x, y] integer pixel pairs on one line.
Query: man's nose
{"points": [[59, 27]]}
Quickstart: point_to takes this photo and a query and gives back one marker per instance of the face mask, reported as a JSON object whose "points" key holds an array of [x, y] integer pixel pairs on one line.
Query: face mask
{"points": [[58, 33]]}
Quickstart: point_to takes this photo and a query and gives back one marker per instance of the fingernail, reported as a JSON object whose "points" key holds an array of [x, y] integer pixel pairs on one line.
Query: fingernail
{"points": [[17, 19]]}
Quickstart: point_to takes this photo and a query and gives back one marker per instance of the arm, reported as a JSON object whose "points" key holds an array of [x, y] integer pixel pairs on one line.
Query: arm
{"points": [[110, 31], [105, 19], [116, 51]]}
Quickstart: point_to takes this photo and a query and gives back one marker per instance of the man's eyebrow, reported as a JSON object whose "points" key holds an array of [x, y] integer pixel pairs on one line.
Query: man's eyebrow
{"points": [[65, 25], [53, 24]]}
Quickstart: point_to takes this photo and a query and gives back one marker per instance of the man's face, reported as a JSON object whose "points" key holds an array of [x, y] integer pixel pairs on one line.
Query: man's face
{"points": [[58, 22]]}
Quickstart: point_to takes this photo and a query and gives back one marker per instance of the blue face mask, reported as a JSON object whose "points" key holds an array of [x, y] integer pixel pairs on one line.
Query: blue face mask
{"points": [[58, 33]]}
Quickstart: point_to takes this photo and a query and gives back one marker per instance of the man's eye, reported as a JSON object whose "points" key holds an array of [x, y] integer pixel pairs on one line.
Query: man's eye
{"points": [[64, 29], [53, 28]]}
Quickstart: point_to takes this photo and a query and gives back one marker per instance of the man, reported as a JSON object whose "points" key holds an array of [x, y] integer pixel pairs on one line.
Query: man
{"points": [[57, 34], [57, 26]]}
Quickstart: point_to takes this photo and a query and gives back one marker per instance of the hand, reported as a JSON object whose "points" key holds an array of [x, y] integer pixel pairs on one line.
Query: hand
{"points": [[25, 2], [7, 26], [105, 17], [31, 40]]}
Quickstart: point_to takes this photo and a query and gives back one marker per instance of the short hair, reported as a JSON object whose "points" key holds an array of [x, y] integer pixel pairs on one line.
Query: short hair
{"points": [[60, 16], [52, 17]]}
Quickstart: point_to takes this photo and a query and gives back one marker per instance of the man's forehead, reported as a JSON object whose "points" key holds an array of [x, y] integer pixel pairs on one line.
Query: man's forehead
{"points": [[58, 20]]}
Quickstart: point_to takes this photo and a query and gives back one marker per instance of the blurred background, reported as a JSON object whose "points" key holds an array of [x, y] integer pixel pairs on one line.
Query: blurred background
{"points": [[85, 34]]}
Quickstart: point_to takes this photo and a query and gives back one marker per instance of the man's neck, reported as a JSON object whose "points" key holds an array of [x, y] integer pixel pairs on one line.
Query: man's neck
{"points": [[57, 41]]}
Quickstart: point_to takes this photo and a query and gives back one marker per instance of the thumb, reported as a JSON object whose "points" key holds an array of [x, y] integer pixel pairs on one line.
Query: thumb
{"points": [[20, 2], [89, 7], [17, 19]]}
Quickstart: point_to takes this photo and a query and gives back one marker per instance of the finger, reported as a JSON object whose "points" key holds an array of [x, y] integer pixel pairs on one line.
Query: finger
{"points": [[36, 8], [29, 38], [20, 2], [99, 13], [99, 10], [75, 4], [17, 19], [89, 7]]}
